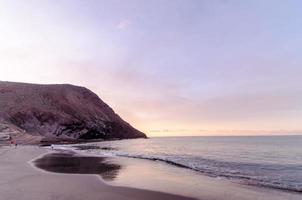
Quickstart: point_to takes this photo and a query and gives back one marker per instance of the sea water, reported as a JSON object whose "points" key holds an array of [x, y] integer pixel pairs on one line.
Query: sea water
{"points": [[269, 161]]}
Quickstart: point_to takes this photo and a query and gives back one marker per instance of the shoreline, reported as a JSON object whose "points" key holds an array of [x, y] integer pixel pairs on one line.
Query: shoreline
{"points": [[183, 181], [20, 180], [163, 177], [242, 181], [134, 179]]}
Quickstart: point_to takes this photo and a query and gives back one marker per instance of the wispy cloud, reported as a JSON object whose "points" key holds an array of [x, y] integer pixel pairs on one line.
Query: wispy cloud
{"points": [[183, 71], [222, 132], [124, 24]]}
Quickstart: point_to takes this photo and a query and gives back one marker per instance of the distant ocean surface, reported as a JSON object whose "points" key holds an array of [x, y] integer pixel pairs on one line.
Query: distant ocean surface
{"points": [[271, 161]]}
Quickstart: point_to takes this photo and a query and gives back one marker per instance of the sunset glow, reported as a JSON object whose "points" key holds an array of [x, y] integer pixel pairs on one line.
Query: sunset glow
{"points": [[190, 68]]}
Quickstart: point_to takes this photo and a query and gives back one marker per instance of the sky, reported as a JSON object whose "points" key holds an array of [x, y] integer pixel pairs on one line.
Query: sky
{"points": [[181, 67]]}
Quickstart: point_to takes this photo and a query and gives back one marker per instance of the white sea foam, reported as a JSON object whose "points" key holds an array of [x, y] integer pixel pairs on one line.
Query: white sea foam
{"points": [[256, 161]]}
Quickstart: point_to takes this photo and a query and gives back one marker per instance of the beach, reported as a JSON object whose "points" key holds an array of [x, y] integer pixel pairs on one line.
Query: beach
{"points": [[150, 100], [66, 175], [20, 180]]}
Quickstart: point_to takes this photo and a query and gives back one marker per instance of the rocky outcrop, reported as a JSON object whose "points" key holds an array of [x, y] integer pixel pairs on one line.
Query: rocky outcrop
{"points": [[59, 112]]}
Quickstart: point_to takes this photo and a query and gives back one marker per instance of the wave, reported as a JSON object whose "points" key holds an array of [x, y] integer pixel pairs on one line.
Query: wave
{"points": [[228, 173], [262, 175]]}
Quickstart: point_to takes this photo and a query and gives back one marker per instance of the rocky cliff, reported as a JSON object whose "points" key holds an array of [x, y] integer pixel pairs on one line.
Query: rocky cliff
{"points": [[32, 112]]}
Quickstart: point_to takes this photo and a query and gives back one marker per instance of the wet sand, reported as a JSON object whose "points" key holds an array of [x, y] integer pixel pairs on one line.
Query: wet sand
{"points": [[70, 163], [160, 176], [30, 173], [20, 180]]}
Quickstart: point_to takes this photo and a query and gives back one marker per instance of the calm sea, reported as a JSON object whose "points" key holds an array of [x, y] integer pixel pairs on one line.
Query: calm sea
{"points": [[271, 161]]}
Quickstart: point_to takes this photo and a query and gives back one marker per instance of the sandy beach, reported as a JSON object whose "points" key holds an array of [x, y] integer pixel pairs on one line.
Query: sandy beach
{"points": [[150, 100], [79, 177], [176, 180], [21, 181]]}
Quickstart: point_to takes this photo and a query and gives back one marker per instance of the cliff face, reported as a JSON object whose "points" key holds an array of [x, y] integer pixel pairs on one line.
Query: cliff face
{"points": [[59, 112]]}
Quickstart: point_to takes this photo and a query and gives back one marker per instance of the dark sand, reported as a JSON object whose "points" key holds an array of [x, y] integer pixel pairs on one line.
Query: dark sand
{"points": [[68, 163], [160, 176], [21, 181], [33, 173]]}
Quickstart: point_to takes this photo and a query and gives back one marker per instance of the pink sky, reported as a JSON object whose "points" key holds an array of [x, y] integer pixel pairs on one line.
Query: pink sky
{"points": [[169, 68]]}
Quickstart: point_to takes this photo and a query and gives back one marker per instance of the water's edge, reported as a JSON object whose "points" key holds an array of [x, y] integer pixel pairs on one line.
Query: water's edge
{"points": [[280, 170]]}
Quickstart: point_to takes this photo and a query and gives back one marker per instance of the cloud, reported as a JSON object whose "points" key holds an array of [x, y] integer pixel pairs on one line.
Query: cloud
{"points": [[222, 132], [124, 24]]}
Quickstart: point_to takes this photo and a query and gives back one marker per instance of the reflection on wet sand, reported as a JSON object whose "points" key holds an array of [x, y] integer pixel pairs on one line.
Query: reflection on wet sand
{"points": [[76, 164]]}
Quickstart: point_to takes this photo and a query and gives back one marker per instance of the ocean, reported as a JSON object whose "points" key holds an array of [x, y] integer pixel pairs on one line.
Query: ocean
{"points": [[265, 161]]}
